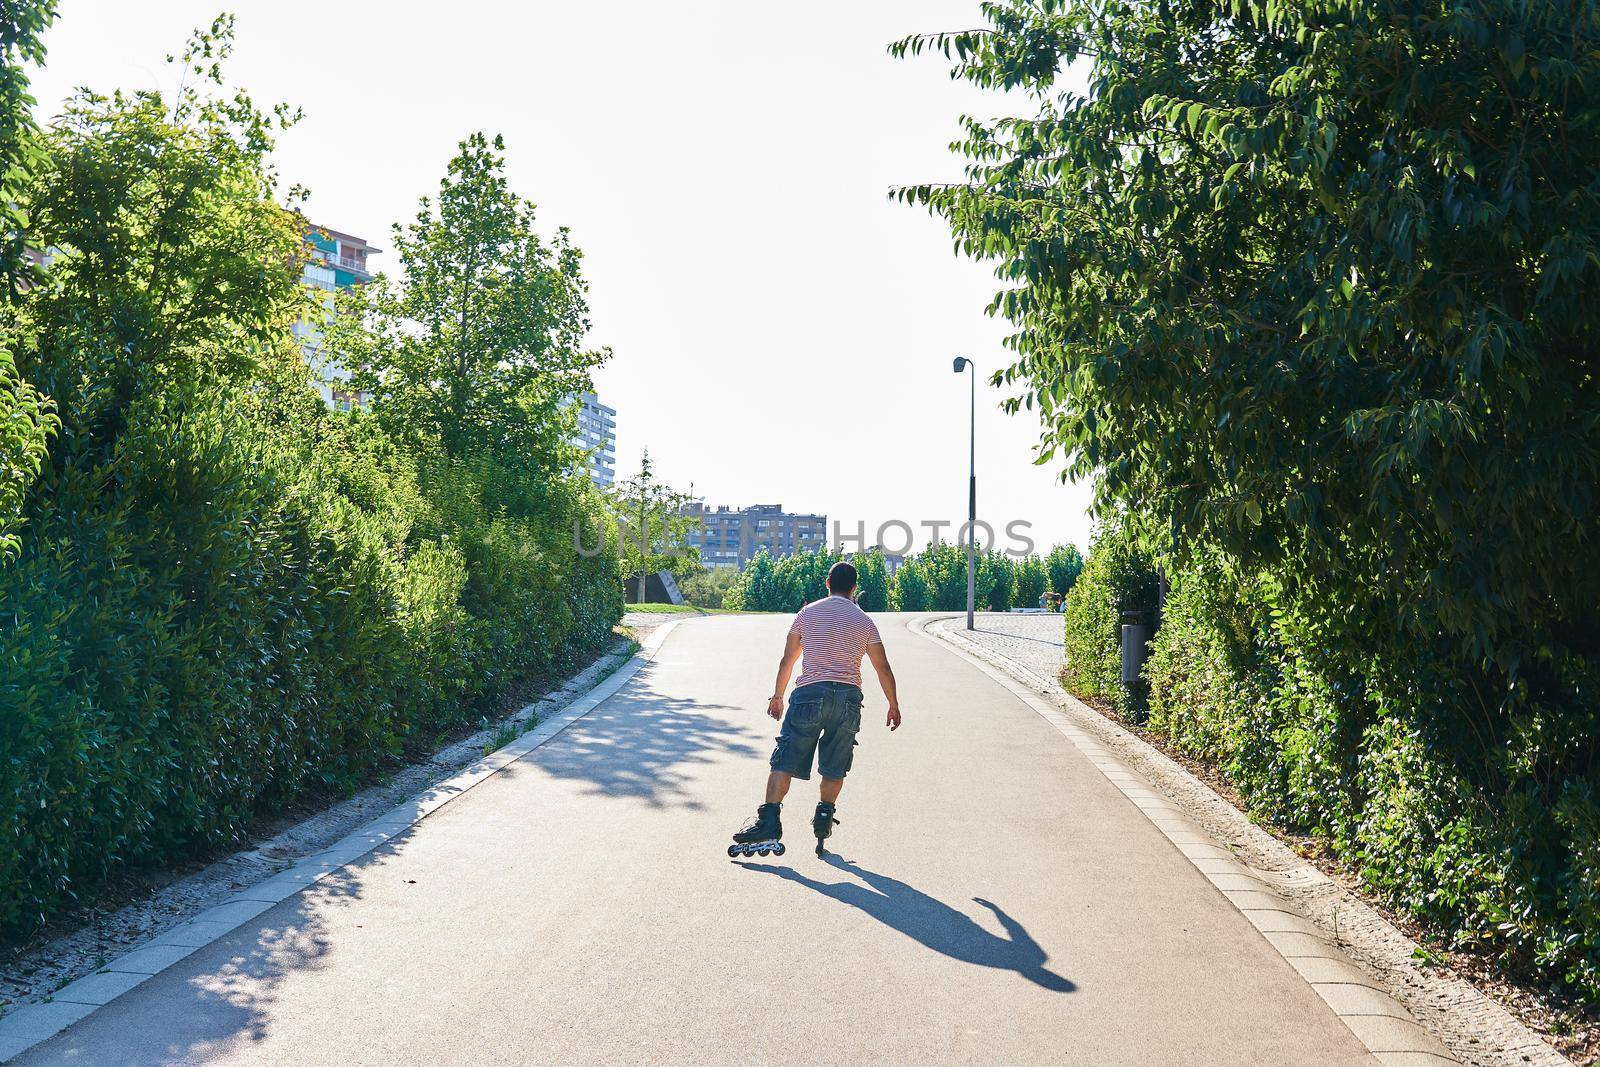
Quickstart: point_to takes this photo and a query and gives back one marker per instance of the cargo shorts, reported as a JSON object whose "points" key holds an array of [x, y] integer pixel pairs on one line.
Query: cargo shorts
{"points": [[823, 716]]}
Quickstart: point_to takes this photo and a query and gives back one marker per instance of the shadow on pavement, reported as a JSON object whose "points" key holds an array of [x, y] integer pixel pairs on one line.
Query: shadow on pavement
{"points": [[229, 1003], [934, 923], [644, 744]]}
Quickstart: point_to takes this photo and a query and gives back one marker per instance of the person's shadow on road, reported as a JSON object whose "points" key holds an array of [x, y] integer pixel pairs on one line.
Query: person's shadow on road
{"points": [[932, 922]]}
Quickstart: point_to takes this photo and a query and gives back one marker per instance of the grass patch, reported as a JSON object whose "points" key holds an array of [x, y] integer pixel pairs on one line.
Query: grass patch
{"points": [[678, 609]]}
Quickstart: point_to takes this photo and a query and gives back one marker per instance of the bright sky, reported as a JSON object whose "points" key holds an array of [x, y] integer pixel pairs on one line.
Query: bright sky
{"points": [[782, 332]]}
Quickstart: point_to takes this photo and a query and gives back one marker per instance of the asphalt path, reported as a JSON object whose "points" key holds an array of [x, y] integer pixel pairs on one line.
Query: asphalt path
{"points": [[990, 899]]}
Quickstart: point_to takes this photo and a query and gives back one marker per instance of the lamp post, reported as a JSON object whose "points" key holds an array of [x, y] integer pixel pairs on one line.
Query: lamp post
{"points": [[961, 364]]}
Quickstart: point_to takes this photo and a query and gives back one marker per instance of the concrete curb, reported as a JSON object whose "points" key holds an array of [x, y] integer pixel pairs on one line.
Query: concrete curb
{"points": [[1362, 967], [35, 1023]]}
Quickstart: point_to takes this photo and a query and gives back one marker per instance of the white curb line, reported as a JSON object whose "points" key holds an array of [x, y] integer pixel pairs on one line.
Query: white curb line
{"points": [[1360, 1000], [35, 1023]]}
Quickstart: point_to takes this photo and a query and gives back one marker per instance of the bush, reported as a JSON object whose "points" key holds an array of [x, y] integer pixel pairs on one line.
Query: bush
{"points": [[787, 584], [910, 590], [1119, 577], [225, 596], [202, 628], [872, 581], [1032, 579], [709, 588], [1064, 564], [1479, 844], [996, 583]]}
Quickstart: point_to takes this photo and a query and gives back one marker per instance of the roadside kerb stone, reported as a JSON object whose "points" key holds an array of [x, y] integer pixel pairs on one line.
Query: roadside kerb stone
{"points": [[1276, 921], [192, 934], [1450, 1017], [33, 1024], [152, 959], [101, 988]]}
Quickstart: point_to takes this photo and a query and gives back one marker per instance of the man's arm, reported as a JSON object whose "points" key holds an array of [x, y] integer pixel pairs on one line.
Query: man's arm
{"points": [[791, 653], [880, 663]]}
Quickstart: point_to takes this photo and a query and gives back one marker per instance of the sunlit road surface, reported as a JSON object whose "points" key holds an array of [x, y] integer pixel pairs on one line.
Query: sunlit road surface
{"points": [[990, 899]]}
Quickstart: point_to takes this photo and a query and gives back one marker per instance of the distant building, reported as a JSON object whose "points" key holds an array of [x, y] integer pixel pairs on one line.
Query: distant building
{"points": [[336, 261], [597, 435], [892, 561], [730, 538]]}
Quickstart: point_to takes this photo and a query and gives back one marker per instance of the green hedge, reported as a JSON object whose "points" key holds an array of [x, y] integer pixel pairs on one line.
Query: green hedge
{"points": [[211, 622], [224, 596], [1491, 846]]}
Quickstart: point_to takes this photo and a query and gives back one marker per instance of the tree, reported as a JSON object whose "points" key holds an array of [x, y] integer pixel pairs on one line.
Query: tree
{"points": [[804, 577], [175, 265], [1032, 580], [709, 588], [1064, 564], [872, 579], [910, 587], [1310, 292], [758, 588], [479, 345], [652, 526], [1316, 285], [21, 25]]}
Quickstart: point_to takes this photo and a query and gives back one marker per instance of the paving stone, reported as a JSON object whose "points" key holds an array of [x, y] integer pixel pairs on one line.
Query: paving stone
{"points": [[1413, 1059], [151, 958], [1281, 922], [1293, 944], [1256, 898], [194, 934], [274, 890], [233, 912], [1321, 970], [1347, 999], [1383, 1034], [1206, 852], [1231, 881], [29, 1025], [100, 988]]}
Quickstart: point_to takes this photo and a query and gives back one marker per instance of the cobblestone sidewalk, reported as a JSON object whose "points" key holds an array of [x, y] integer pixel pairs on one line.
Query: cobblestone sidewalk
{"points": [[1034, 641]]}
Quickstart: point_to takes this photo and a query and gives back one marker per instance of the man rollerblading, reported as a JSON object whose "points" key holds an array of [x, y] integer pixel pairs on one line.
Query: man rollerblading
{"points": [[829, 638]]}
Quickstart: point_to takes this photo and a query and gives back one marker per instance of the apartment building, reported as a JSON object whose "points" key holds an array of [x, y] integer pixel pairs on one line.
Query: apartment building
{"points": [[336, 261], [728, 537], [597, 435]]}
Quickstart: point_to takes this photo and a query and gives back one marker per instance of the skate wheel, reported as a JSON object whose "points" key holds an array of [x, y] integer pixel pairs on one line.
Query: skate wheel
{"points": [[734, 851], [777, 849], [764, 850]]}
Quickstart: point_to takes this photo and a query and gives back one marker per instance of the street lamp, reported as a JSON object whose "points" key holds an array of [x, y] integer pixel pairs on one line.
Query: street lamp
{"points": [[961, 364]]}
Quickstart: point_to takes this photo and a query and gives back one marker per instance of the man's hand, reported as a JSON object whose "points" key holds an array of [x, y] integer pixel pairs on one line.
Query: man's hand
{"points": [[775, 706], [894, 717]]}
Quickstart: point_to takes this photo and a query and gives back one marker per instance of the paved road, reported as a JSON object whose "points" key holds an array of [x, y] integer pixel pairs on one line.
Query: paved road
{"points": [[994, 900]]}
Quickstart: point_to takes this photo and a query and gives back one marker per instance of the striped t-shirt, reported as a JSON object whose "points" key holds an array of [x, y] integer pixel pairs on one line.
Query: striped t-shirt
{"points": [[834, 635]]}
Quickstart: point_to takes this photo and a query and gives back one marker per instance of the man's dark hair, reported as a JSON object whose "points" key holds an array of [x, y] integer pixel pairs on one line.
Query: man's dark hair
{"points": [[841, 578]]}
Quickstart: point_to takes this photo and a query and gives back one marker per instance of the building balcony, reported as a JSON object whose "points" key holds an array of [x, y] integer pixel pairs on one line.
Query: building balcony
{"points": [[349, 263]]}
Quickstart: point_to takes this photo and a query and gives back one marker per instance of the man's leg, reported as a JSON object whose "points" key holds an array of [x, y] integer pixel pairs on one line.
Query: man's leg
{"points": [[828, 790], [778, 786]]}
